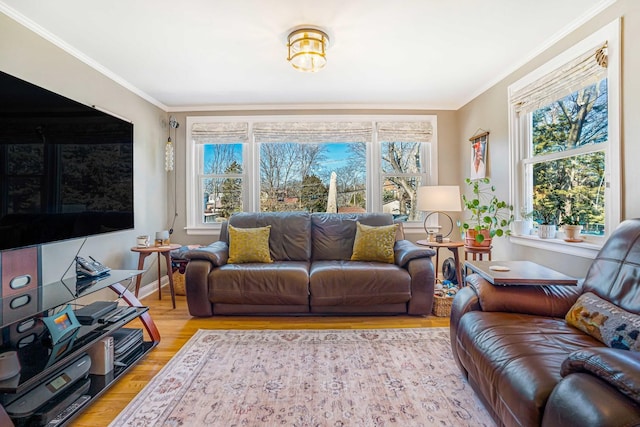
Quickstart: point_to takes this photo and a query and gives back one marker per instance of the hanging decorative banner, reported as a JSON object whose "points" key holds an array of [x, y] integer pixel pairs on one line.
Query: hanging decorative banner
{"points": [[479, 144]]}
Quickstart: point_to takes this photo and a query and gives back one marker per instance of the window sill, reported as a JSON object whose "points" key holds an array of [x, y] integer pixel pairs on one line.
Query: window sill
{"points": [[203, 231], [581, 249]]}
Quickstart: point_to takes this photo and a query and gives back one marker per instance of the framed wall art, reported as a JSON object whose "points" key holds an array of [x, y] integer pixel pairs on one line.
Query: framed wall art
{"points": [[479, 143]]}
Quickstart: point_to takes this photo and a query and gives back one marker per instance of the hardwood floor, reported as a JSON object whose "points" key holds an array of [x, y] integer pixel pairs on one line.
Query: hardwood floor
{"points": [[176, 326]]}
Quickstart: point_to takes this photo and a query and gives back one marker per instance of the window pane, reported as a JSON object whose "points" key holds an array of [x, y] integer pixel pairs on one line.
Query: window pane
{"points": [[573, 121], [222, 193], [399, 195], [401, 157], [571, 188], [221, 197], [399, 192], [296, 176], [220, 158]]}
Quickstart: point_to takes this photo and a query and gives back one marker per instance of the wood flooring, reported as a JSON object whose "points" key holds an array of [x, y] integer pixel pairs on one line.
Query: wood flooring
{"points": [[176, 326]]}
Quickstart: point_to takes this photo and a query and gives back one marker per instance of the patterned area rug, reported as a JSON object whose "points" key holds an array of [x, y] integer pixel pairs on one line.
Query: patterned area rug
{"points": [[381, 377]]}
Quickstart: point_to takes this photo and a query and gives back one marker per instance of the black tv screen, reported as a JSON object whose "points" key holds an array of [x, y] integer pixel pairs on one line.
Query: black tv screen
{"points": [[66, 169]]}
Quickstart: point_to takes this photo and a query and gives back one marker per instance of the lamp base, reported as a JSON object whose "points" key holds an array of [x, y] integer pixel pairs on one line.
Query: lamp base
{"points": [[438, 212]]}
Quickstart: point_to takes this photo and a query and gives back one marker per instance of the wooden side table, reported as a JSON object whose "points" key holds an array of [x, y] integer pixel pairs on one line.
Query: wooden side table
{"points": [[161, 251], [453, 247], [516, 273], [477, 252]]}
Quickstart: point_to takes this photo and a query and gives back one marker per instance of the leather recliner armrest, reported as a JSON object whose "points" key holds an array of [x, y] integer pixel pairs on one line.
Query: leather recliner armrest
{"points": [[547, 300], [406, 251], [217, 253], [619, 368]]}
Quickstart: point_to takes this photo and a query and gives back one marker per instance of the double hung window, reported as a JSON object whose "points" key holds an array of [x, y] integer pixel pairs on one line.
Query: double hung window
{"points": [[564, 124]]}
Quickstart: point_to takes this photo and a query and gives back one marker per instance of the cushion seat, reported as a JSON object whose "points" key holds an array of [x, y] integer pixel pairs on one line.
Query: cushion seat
{"points": [[334, 283], [277, 283]]}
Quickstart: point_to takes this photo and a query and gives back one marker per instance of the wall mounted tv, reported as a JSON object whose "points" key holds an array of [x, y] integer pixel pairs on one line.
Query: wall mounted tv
{"points": [[66, 169]]}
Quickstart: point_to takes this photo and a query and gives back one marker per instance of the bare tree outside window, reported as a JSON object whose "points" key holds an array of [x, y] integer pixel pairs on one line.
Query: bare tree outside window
{"points": [[402, 174]]}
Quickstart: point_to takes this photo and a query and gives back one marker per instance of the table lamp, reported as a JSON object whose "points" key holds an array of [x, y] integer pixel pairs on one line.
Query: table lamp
{"points": [[439, 199]]}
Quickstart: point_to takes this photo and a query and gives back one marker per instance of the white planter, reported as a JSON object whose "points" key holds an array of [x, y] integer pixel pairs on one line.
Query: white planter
{"points": [[572, 233], [547, 231]]}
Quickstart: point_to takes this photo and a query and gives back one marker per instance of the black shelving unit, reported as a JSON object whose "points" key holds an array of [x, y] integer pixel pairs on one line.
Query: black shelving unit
{"points": [[39, 364]]}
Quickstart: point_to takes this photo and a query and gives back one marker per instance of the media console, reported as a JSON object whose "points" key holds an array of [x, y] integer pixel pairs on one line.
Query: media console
{"points": [[53, 382]]}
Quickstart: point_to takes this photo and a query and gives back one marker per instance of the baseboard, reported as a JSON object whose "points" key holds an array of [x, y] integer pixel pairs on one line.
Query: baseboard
{"points": [[152, 287]]}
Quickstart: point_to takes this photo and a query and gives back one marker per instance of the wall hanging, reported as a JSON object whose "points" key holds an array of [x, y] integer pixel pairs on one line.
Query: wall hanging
{"points": [[479, 143]]}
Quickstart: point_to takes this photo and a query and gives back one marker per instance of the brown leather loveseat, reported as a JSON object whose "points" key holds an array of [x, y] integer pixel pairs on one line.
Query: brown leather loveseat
{"points": [[311, 272], [557, 355]]}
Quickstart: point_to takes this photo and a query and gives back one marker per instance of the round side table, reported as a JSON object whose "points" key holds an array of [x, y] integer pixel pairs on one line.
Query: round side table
{"points": [[161, 251], [453, 247]]}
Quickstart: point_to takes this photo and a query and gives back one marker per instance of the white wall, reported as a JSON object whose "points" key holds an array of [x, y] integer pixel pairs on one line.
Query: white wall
{"points": [[448, 155], [26, 55]]}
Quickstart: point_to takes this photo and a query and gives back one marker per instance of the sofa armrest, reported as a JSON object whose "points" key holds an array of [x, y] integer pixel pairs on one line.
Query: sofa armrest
{"points": [[196, 283], [217, 253], [618, 368], [581, 399], [405, 251], [548, 300]]}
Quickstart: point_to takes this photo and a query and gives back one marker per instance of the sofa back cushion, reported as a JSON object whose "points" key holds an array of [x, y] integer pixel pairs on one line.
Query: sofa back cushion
{"points": [[290, 237], [615, 274], [332, 234]]}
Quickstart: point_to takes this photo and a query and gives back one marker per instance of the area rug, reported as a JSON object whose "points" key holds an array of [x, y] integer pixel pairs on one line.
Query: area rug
{"points": [[377, 377]]}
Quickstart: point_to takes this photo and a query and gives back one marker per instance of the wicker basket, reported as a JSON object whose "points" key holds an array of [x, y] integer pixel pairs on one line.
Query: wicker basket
{"points": [[442, 305], [178, 283]]}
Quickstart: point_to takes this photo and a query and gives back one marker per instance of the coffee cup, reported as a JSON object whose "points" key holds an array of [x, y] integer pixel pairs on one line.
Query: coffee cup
{"points": [[142, 241]]}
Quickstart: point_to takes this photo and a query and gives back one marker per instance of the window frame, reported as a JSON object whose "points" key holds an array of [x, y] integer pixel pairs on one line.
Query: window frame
{"points": [[520, 147], [251, 163]]}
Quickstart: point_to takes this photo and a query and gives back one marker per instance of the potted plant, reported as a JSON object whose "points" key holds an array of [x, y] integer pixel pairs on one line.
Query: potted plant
{"points": [[545, 214], [572, 223], [490, 216], [523, 226]]}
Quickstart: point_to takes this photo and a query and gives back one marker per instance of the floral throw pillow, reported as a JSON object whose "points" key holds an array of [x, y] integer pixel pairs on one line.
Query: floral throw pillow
{"points": [[249, 245], [374, 243], [608, 323]]}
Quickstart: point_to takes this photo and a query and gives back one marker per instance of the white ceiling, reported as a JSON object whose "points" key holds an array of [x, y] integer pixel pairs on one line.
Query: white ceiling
{"points": [[217, 54]]}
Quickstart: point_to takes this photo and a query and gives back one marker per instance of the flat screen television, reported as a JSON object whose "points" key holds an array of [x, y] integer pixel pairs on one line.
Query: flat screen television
{"points": [[66, 169]]}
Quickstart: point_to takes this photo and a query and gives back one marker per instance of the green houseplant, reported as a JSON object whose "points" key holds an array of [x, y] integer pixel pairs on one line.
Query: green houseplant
{"points": [[547, 213], [490, 216], [572, 222]]}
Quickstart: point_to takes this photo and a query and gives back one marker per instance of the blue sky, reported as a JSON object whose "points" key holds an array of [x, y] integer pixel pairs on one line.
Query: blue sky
{"points": [[336, 156]]}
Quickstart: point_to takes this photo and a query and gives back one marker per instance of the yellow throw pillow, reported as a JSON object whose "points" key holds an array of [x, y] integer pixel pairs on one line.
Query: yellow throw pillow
{"points": [[249, 245], [374, 243]]}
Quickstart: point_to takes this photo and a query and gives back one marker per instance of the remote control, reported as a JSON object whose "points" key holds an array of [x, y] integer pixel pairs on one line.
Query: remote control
{"points": [[69, 410]]}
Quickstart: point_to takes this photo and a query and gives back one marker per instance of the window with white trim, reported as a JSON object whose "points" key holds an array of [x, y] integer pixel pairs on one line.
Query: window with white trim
{"points": [[565, 145], [309, 163]]}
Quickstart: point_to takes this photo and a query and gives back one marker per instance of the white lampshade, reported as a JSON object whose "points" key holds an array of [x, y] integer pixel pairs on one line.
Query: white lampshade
{"points": [[442, 198]]}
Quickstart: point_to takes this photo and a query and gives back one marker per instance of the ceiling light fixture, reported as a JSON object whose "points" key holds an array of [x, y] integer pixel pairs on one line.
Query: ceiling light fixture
{"points": [[308, 49]]}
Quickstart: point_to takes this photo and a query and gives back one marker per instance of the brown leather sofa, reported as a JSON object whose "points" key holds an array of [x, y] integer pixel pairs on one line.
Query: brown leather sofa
{"points": [[531, 367], [312, 271]]}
